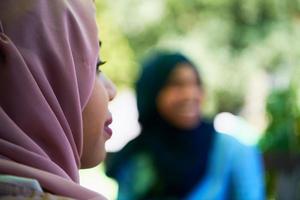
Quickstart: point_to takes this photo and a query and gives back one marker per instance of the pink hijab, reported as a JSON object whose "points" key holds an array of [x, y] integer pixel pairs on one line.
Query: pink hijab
{"points": [[48, 55]]}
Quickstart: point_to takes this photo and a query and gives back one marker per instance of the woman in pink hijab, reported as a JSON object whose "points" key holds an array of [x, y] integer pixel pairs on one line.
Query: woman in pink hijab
{"points": [[53, 102]]}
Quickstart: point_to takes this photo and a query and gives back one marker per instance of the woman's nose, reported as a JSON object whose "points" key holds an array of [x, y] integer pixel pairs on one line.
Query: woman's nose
{"points": [[191, 92], [111, 89]]}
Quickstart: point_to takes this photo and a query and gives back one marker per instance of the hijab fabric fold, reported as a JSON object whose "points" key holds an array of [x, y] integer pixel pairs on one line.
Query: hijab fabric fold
{"points": [[48, 54]]}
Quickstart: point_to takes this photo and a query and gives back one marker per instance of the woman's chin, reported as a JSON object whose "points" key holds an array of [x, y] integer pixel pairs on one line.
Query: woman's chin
{"points": [[93, 161], [187, 124]]}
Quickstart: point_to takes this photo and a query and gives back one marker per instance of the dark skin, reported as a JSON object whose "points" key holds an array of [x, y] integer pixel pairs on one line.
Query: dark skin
{"points": [[179, 101]]}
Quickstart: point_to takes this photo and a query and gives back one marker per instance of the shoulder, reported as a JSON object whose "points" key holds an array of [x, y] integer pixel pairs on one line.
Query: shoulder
{"points": [[14, 187], [228, 146], [231, 142], [226, 143]]}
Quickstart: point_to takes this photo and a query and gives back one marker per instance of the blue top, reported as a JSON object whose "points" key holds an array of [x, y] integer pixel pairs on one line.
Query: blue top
{"points": [[235, 172]]}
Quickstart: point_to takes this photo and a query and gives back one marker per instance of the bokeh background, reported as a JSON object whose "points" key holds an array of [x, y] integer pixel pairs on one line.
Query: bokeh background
{"points": [[248, 53]]}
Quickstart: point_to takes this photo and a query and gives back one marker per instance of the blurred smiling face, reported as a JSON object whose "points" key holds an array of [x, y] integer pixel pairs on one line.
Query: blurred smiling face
{"points": [[96, 118], [179, 100]]}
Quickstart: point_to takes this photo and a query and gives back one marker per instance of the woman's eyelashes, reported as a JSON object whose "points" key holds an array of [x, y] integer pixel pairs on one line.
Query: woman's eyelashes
{"points": [[99, 63]]}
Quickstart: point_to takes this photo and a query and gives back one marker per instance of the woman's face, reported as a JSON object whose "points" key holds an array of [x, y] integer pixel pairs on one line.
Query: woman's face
{"points": [[179, 100], [96, 118]]}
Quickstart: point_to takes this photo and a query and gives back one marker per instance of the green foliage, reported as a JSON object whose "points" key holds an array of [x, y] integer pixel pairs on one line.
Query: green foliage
{"points": [[115, 50], [283, 131], [231, 40]]}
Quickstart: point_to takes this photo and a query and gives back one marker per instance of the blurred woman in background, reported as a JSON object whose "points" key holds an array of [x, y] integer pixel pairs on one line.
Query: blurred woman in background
{"points": [[178, 154]]}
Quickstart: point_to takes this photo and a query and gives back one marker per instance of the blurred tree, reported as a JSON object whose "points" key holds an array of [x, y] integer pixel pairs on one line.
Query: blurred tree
{"points": [[120, 59], [222, 36], [283, 131], [231, 41], [281, 144]]}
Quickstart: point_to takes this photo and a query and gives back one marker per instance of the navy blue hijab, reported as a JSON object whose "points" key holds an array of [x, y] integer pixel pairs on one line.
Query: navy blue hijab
{"points": [[179, 156]]}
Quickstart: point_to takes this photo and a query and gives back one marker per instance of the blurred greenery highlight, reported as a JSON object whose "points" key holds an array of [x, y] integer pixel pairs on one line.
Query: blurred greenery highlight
{"points": [[283, 131], [281, 141], [232, 41], [96, 180]]}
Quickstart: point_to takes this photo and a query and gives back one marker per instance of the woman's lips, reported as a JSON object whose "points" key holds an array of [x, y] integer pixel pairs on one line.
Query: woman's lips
{"points": [[108, 130]]}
